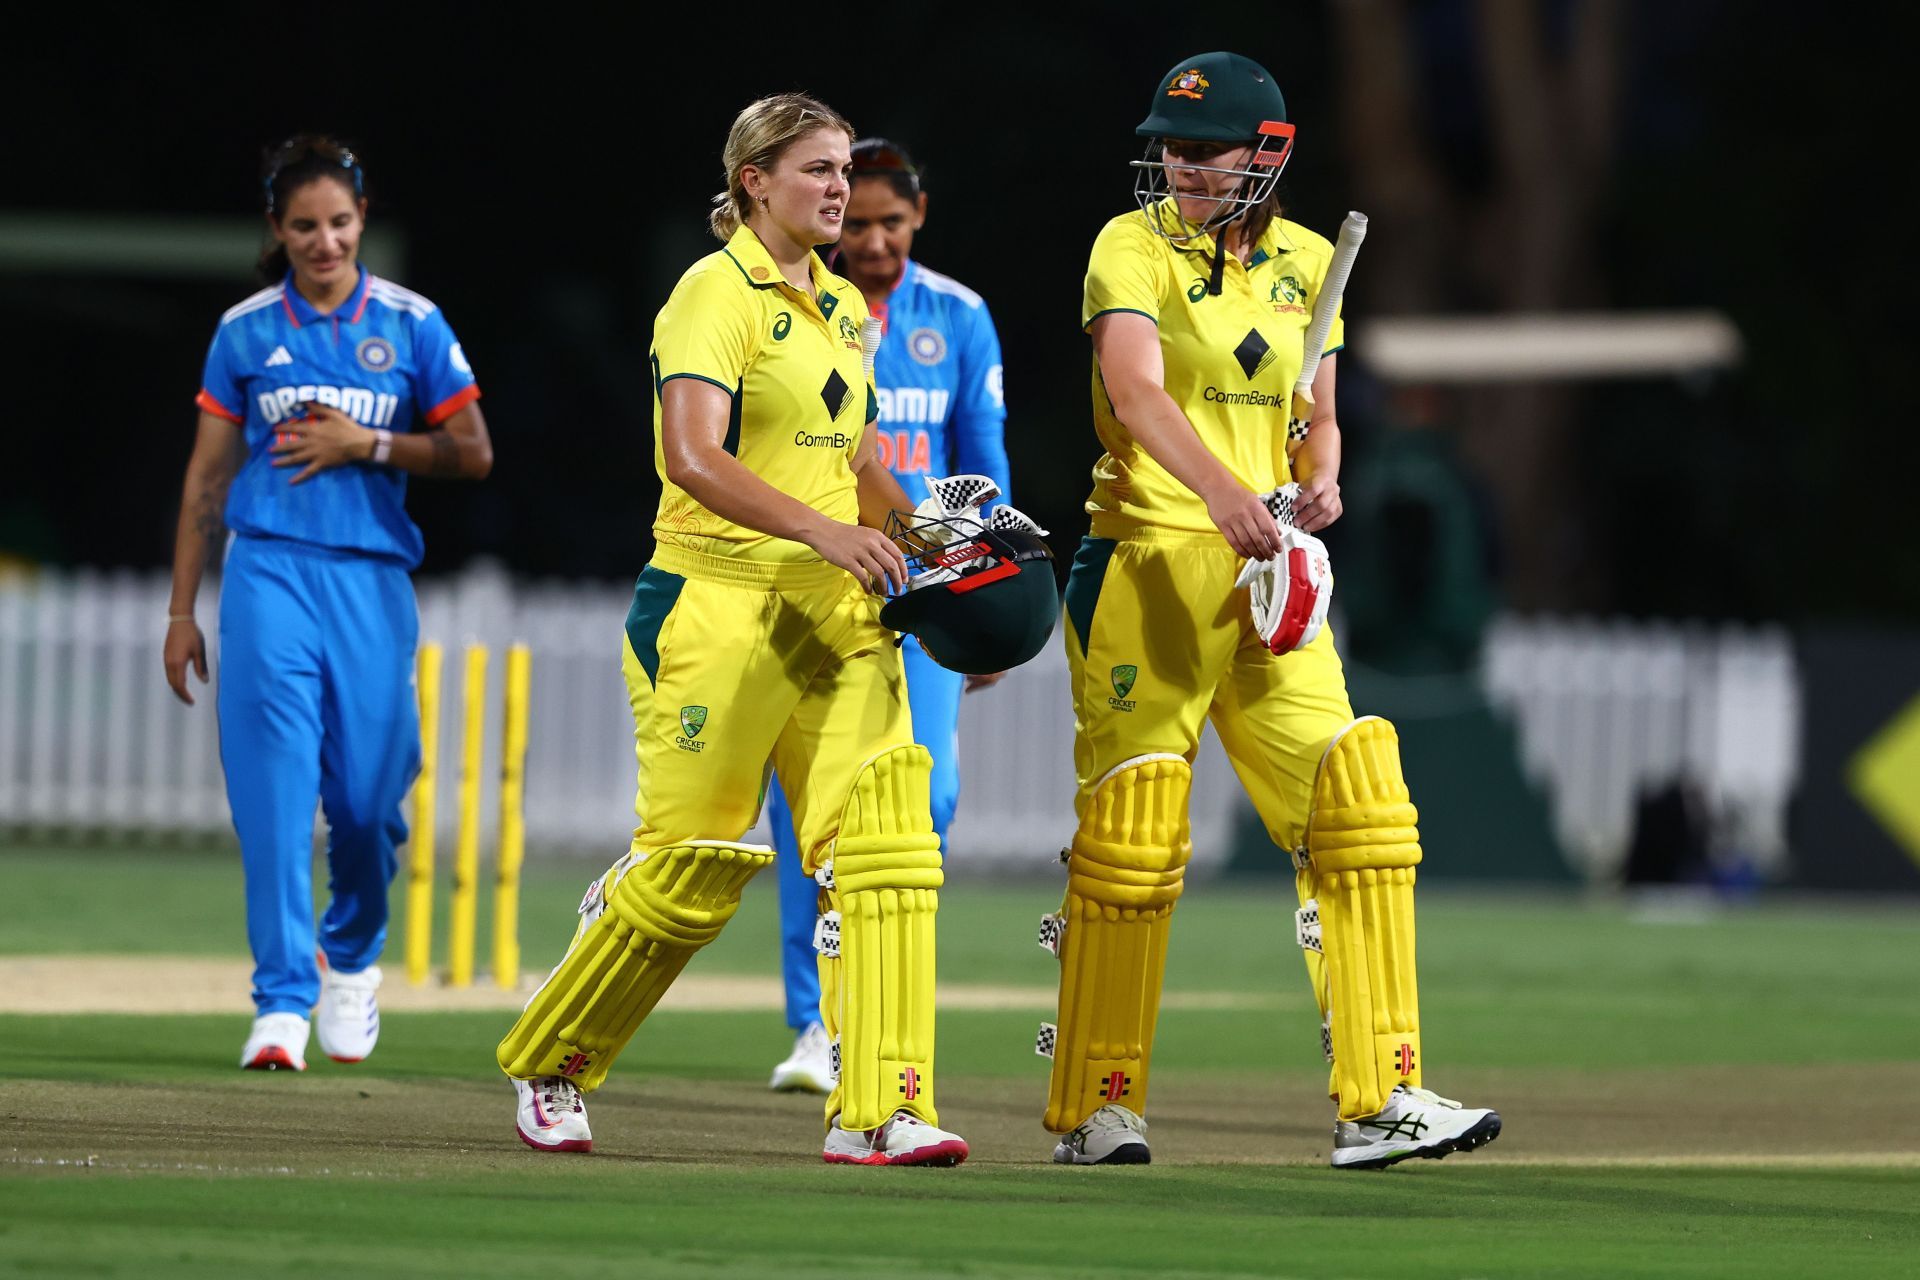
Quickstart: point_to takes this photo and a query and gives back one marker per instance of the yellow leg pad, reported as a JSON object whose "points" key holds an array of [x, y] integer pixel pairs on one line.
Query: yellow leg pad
{"points": [[1363, 843], [1124, 873], [877, 994], [658, 914]]}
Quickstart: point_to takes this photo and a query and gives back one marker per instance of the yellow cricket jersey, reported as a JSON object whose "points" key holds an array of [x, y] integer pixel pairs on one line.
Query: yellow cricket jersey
{"points": [[800, 399], [1231, 360]]}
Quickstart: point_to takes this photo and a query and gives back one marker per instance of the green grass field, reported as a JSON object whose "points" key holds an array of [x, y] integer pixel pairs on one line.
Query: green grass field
{"points": [[1684, 1095]]}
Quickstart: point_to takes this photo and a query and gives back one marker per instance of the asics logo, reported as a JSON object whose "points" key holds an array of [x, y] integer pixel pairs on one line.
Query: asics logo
{"points": [[368, 408], [1405, 1127]]}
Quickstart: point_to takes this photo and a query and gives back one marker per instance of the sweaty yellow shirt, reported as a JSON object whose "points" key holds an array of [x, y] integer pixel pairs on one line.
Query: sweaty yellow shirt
{"points": [[1230, 360], [800, 398]]}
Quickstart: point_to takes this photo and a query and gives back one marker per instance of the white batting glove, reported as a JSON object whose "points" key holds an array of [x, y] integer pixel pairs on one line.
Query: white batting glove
{"points": [[1289, 594]]}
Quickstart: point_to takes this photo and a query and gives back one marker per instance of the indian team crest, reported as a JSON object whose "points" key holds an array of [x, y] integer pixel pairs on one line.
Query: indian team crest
{"points": [[927, 346], [375, 355]]}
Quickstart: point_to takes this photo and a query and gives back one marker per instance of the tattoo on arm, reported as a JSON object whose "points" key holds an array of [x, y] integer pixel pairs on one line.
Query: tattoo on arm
{"points": [[446, 454], [208, 515]]}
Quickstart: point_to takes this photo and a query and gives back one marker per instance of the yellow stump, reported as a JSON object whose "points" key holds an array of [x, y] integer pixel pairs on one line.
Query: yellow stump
{"points": [[420, 855], [466, 857], [513, 829]]}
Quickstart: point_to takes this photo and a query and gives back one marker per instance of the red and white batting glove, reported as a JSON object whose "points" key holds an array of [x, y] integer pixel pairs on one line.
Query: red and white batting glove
{"points": [[1289, 593]]}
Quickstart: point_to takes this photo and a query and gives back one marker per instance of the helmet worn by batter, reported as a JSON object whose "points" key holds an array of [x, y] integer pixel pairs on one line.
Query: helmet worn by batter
{"points": [[980, 595], [1223, 99]]}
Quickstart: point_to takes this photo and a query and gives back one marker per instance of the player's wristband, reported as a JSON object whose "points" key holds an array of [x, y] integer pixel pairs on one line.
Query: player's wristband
{"points": [[382, 445], [178, 617]]}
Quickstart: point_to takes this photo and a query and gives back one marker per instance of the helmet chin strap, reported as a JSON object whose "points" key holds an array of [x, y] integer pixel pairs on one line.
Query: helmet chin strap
{"points": [[1219, 231]]}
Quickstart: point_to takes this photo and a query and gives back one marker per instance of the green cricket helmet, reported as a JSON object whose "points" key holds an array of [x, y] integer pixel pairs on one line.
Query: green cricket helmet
{"points": [[980, 594], [1221, 98]]}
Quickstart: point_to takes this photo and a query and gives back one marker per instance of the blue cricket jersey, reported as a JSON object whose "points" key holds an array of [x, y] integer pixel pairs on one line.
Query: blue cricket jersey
{"points": [[385, 358], [937, 376]]}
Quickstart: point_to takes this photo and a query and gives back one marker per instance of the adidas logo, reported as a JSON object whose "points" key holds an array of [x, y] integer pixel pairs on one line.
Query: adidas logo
{"points": [[279, 356]]}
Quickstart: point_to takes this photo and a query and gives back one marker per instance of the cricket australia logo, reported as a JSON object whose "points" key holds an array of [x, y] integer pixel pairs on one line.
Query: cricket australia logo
{"points": [[1123, 677], [1189, 84], [1288, 294], [692, 721], [850, 333]]}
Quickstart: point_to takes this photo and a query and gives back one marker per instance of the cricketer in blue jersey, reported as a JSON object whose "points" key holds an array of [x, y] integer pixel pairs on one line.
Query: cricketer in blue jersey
{"points": [[942, 412], [308, 409]]}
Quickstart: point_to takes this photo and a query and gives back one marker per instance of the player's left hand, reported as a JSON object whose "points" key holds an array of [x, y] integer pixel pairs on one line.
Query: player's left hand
{"points": [[1318, 504], [976, 683], [323, 439]]}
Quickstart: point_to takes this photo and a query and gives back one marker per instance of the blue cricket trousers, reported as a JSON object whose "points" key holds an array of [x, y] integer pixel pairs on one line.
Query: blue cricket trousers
{"points": [[933, 696], [316, 698]]}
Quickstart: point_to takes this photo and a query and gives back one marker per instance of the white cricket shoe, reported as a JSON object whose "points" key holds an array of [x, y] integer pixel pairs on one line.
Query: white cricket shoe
{"points": [[552, 1115], [1415, 1122], [904, 1139], [278, 1042], [348, 1017], [809, 1068], [1111, 1135]]}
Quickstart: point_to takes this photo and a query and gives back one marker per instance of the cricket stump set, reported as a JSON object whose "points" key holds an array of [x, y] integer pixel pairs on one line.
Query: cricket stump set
{"points": [[466, 858]]}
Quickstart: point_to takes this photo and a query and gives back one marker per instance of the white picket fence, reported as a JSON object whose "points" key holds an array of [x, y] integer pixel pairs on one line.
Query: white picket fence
{"points": [[92, 741], [1605, 710]]}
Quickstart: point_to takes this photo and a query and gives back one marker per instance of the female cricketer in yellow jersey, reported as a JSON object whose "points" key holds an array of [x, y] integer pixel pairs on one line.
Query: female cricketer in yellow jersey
{"points": [[1198, 305], [754, 637]]}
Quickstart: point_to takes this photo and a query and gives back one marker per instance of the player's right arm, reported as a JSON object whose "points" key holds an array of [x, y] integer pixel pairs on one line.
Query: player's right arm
{"points": [[203, 500], [704, 340], [1127, 346], [693, 432]]}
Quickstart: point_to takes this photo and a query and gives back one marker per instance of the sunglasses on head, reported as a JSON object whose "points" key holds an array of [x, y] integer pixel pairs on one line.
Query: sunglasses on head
{"points": [[870, 159], [295, 152]]}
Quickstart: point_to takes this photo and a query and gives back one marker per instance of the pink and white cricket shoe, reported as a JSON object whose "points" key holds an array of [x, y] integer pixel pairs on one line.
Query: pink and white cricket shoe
{"points": [[904, 1139], [552, 1115]]}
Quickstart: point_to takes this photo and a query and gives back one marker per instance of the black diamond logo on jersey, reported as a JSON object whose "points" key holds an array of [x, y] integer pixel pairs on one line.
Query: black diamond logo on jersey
{"points": [[836, 394], [1253, 353]]}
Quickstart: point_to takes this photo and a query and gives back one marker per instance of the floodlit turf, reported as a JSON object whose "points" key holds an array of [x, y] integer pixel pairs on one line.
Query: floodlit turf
{"points": [[1685, 1096]]}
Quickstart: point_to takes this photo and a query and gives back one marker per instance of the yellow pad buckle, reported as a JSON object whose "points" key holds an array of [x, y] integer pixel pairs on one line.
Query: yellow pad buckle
{"points": [[877, 992], [1363, 844], [657, 915], [1124, 874]]}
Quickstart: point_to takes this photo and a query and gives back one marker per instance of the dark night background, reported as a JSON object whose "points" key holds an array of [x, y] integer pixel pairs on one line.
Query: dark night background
{"points": [[551, 175]]}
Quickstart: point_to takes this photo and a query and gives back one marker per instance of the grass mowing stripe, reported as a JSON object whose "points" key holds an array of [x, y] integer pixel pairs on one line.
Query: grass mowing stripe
{"points": [[1151, 1221]]}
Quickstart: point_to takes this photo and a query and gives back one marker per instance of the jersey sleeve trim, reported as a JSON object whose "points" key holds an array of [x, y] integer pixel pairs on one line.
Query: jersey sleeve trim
{"points": [[452, 404], [699, 377], [1132, 311], [207, 402], [1330, 350]]}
